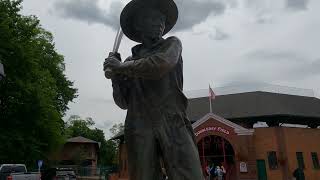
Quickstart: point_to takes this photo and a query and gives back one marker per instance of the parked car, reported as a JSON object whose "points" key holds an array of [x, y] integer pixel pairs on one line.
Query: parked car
{"points": [[59, 174], [17, 172]]}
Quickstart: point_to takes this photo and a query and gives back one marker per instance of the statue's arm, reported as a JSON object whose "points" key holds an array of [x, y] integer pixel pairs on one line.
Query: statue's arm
{"points": [[156, 65], [120, 91]]}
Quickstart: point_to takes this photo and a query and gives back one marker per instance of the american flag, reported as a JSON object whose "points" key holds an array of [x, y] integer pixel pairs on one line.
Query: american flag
{"points": [[212, 95]]}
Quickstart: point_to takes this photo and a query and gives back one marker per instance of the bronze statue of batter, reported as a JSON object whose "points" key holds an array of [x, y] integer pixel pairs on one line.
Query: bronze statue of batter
{"points": [[149, 85]]}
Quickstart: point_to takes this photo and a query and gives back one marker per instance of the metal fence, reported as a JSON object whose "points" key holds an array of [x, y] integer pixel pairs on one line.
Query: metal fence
{"points": [[93, 173]]}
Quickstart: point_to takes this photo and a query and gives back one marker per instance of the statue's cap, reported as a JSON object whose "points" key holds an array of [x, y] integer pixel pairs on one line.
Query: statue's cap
{"points": [[167, 7]]}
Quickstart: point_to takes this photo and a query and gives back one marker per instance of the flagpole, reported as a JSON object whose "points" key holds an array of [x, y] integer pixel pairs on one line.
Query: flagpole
{"points": [[210, 105], [210, 99]]}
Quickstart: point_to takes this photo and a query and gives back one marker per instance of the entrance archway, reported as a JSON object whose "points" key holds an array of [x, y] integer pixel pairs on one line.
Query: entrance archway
{"points": [[217, 151]]}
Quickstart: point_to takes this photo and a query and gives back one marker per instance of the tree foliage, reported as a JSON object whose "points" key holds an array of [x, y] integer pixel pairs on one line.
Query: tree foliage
{"points": [[76, 126], [117, 129], [35, 92]]}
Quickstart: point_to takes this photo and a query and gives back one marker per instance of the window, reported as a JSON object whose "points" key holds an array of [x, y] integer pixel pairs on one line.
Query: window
{"points": [[272, 160], [300, 160], [315, 160]]}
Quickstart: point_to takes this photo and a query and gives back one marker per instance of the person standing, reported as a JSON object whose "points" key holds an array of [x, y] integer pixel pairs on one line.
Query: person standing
{"points": [[299, 174], [219, 173], [213, 172], [210, 171], [224, 172]]}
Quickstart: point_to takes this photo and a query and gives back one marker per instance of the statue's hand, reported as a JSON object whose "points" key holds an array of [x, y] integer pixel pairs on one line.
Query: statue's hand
{"points": [[115, 55], [112, 62]]}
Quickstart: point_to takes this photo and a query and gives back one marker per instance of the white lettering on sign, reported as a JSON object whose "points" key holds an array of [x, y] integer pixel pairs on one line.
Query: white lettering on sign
{"points": [[212, 128]]}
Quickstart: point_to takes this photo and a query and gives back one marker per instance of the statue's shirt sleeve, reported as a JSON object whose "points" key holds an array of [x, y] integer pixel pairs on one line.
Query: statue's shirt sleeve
{"points": [[120, 91], [160, 62]]}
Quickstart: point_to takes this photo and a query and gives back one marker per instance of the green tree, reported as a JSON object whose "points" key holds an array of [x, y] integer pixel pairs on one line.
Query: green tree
{"points": [[35, 92], [76, 126], [116, 129]]}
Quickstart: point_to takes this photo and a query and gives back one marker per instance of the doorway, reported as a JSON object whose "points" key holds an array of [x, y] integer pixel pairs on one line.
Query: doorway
{"points": [[217, 151], [262, 171]]}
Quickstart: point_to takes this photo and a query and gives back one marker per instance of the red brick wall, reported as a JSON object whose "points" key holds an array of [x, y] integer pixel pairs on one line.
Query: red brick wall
{"points": [[306, 141], [289, 141], [265, 140]]}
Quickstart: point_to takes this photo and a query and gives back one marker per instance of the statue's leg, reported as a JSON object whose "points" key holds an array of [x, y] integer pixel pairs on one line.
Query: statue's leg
{"points": [[180, 153], [143, 157]]}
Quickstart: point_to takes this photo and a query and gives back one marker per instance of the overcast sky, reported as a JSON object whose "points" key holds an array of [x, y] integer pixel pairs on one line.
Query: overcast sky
{"points": [[224, 42]]}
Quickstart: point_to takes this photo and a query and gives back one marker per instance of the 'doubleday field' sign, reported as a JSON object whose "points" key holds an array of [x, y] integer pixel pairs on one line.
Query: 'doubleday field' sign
{"points": [[212, 128]]}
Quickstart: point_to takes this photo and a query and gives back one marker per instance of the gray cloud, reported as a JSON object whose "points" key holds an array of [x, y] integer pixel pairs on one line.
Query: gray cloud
{"points": [[297, 4], [213, 33], [100, 100], [105, 125], [267, 11], [269, 65], [191, 12], [219, 35], [267, 5], [261, 10], [89, 11], [272, 55], [264, 19]]}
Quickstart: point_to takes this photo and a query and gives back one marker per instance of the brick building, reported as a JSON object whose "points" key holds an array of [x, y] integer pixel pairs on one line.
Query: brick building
{"points": [[79, 151], [231, 136]]}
